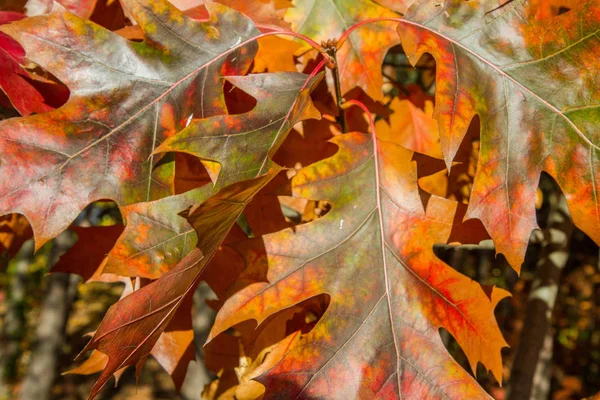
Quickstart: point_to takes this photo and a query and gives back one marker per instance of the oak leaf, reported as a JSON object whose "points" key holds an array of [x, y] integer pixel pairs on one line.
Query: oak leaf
{"points": [[415, 128], [534, 86], [372, 254], [156, 238], [132, 326], [126, 98], [174, 348], [233, 148]]}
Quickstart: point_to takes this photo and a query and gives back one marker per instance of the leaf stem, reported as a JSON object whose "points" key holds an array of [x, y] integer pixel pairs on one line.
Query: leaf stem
{"points": [[300, 36], [338, 91], [346, 34], [357, 103]]}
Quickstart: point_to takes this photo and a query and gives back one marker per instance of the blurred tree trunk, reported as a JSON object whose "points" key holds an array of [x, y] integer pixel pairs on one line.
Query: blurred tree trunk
{"points": [[13, 331], [530, 376], [203, 318], [61, 291]]}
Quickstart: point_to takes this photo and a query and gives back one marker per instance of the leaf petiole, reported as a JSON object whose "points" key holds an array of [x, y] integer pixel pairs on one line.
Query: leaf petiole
{"points": [[357, 103], [346, 34]]}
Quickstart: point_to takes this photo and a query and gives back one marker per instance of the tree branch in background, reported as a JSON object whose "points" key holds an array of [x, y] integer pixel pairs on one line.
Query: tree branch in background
{"points": [[530, 377]]}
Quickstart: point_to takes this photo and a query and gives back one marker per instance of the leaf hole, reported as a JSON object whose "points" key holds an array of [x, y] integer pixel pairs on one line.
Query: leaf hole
{"points": [[433, 175], [237, 101], [190, 173]]}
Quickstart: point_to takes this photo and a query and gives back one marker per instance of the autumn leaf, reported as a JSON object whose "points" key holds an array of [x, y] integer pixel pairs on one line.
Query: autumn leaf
{"points": [[534, 86], [126, 98], [240, 356], [248, 140], [338, 293], [174, 348], [136, 322], [95, 363], [234, 148], [275, 54], [415, 128], [389, 294], [14, 231], [132, 326], [156, 238], [224, 357], [359, 61], [23, 96]]}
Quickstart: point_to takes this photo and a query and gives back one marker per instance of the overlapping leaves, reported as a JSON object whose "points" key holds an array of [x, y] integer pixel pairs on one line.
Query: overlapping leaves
{"points": [[234, 147], [389, 293], [132, 105], [360, 60], [170, 89], [249, 138], [126, 99]]}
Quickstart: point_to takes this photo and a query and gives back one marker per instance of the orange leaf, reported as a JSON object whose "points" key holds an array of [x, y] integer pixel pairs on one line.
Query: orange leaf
{"points": [[275, 54], [412, 128], [14, 231], [372, 254]]}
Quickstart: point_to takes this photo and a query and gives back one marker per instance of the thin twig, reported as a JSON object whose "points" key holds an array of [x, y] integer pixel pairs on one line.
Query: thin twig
{"points": [[397, 84], [331, 49]]}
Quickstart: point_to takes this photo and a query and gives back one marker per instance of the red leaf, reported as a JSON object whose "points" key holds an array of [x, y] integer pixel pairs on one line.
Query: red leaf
{"points": [[22, 95]]}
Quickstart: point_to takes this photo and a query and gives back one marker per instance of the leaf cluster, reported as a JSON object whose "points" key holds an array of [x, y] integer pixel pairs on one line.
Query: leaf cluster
{"points": [[281, 153]]}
